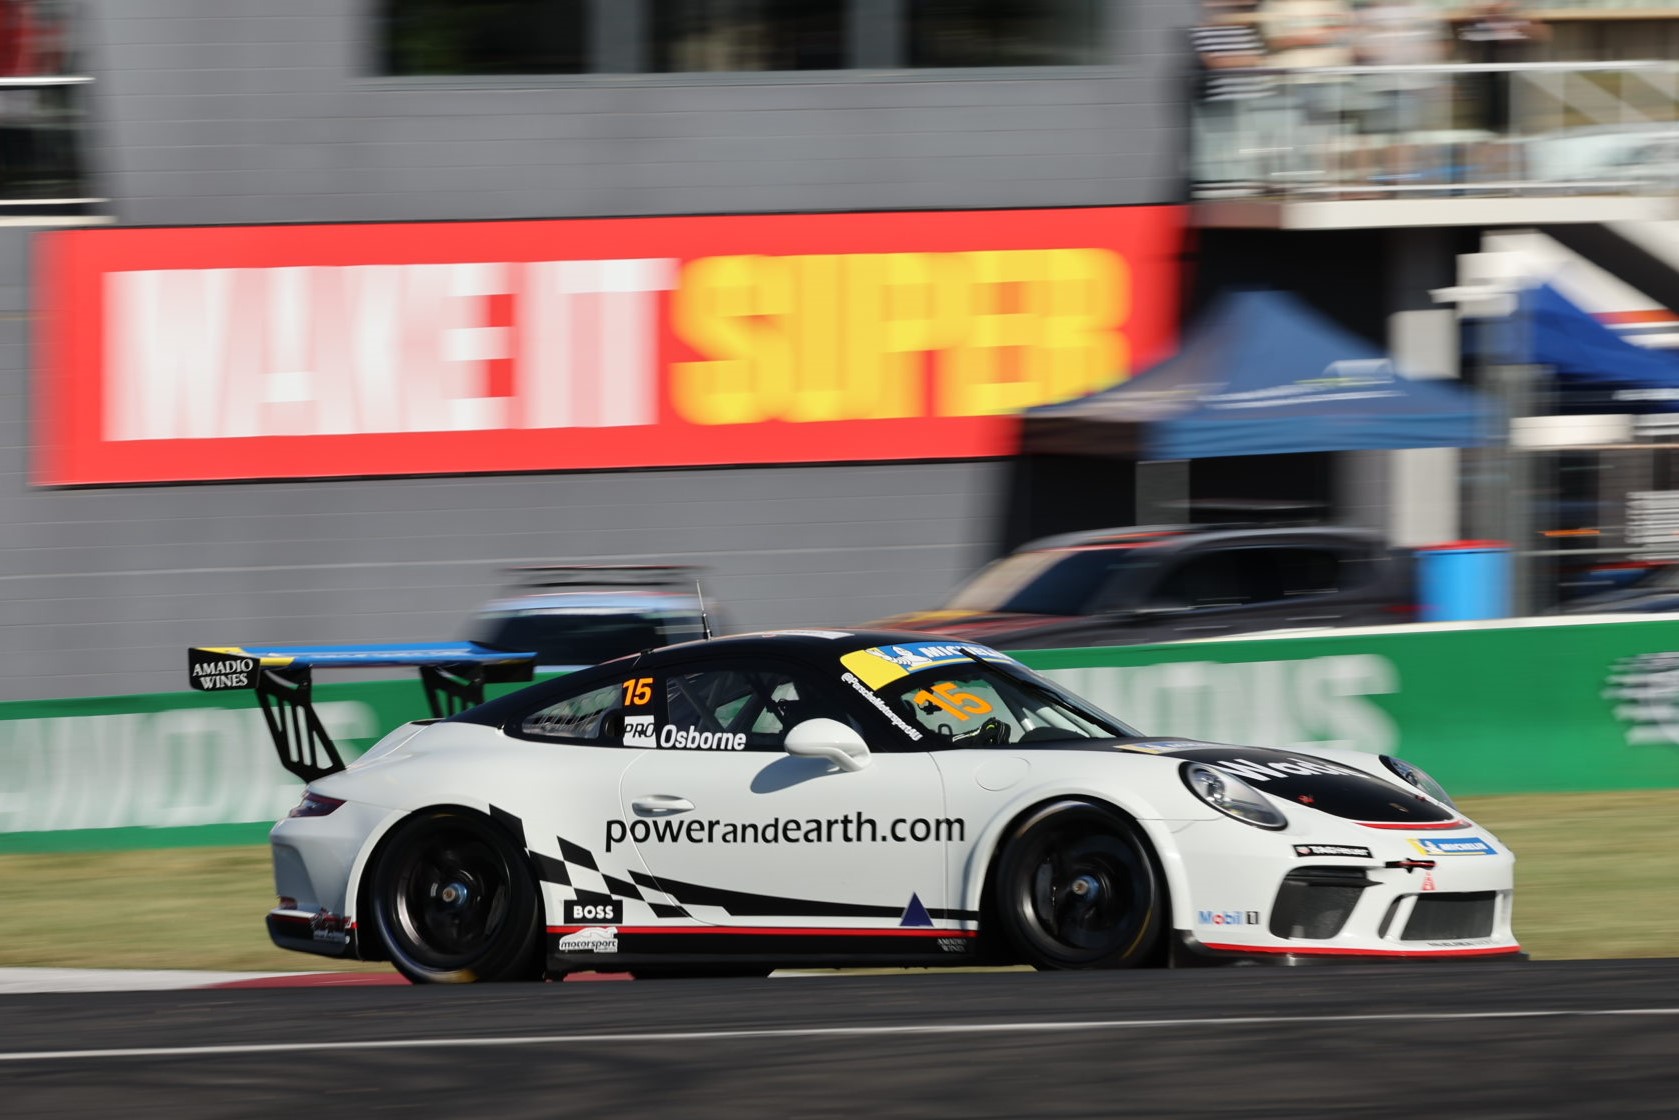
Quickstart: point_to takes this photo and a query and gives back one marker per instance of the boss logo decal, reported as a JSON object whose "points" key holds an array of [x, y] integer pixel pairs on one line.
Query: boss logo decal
{"points": [[585, 913]]}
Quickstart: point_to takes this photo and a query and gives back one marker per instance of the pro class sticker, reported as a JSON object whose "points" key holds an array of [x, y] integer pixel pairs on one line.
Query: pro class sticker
{"points": [[594, 912], [1457, 846]]}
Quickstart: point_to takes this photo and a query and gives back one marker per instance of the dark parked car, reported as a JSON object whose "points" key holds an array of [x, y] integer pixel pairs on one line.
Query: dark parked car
{"points": [[1167, 583], [571, 615], [1647, 590]]}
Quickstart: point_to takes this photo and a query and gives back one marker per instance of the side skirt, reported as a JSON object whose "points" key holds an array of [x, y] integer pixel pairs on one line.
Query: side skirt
{"points": [[613, 947]]}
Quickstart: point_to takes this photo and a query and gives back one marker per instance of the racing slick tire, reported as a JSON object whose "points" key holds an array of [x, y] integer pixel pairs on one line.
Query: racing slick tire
{"points": [[454, 902], [1077, 887]]}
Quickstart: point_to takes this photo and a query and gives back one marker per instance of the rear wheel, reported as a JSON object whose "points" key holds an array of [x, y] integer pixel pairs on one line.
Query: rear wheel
{"points": [[454, 902], [1076, 887]]}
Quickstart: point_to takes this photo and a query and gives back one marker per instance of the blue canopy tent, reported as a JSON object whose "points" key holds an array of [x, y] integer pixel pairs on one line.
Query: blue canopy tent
{"points": [[1261, 374], [1596, 369]]}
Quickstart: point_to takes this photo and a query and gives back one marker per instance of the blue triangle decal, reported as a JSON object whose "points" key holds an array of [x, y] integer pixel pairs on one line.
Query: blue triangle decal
{"points": [[915, 914]]}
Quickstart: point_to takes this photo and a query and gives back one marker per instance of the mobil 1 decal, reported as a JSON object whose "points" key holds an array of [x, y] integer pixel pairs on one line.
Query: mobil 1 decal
{"points": [[638, 713]]}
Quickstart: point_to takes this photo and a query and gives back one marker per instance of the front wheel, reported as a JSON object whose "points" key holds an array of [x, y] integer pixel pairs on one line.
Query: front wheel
{"points": [[1076, 887], [454, 902]]}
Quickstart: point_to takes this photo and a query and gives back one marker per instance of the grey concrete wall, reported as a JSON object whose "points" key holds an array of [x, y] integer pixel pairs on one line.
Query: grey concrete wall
{"points": [[252, 111], [228, 111]]}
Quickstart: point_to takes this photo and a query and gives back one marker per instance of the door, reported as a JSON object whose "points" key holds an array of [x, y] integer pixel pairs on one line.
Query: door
{"points": [[741, 836], [1234, 590]]}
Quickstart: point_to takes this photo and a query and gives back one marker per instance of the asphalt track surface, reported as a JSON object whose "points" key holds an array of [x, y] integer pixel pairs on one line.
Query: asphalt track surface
{"points": [[1484, 1039]]}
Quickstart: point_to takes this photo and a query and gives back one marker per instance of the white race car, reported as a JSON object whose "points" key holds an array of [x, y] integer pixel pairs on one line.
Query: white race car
{"points": [[825, 798]]}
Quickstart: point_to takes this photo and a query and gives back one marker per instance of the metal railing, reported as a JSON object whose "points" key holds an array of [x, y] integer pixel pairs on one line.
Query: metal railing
{"points": [[1486, 129], [43, 130]]}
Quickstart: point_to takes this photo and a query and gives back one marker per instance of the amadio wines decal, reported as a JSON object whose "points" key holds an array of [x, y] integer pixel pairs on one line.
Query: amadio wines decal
{"points": [[441, 348]]}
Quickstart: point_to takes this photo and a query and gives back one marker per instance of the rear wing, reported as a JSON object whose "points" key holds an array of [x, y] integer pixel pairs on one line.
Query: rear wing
{"points": [[453, 674]]}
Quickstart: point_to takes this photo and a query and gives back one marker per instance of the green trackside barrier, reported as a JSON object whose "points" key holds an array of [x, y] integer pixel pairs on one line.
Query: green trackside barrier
{"points": [[171, 769], [1508, 707], [1517, 706]]}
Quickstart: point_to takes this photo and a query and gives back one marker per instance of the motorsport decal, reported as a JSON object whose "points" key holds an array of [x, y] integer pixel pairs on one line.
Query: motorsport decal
{"points": [[1349, 851], [1456, 846], [1227, 917], [854, 829], [595, 939], [879, 666], [580, 912], [868, 694], [1340, 791]]}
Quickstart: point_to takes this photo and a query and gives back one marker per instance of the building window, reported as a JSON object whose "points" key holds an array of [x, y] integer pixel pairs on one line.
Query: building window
{"points": [[704, 35], [485, 37], [1005, 32], [42, 113], [490, 37]]}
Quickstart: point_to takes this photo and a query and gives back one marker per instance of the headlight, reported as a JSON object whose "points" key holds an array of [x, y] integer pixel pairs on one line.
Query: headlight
{"points": [[1231, 796], [1418, 777]]}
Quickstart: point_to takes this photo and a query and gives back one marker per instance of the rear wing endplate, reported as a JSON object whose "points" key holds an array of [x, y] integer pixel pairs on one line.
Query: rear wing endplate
{"points": [[453, 674]]}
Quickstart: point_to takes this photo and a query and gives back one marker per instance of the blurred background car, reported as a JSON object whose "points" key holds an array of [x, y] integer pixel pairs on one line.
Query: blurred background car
{"points": [[1163, 583], [1649, 589], [571, 615]]}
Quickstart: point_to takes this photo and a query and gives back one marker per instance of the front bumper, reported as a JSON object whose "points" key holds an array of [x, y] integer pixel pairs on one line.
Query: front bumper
{"points": [[1343, 891]]}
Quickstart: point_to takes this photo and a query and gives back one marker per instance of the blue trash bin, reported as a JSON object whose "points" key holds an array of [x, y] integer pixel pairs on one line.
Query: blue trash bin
{"points": [[1463, 580]]}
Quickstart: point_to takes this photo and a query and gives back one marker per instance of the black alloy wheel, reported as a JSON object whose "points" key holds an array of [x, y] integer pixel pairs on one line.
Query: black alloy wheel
{"points": [[454, 901], [1076, 887]]}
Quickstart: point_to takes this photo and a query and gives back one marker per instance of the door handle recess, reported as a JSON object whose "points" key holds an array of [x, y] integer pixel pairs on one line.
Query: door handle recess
{"points": [[660, 805]]}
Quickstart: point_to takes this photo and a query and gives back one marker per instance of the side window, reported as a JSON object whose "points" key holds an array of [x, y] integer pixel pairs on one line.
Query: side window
{"points": [[1211, 580], [1304, 572], [596, 716], [738, 709]]}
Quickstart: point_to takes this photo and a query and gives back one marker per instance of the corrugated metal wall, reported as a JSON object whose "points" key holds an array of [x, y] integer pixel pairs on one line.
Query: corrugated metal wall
{"points": [[249, 111]]}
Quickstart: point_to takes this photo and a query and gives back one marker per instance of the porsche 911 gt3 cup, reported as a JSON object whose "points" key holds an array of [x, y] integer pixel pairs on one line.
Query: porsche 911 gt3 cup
{"points": [[827, 798]]}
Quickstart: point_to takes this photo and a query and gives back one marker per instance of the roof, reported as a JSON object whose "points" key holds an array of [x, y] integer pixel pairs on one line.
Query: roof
{"points": [[1185, 535], [585, 602], [818, 645]]}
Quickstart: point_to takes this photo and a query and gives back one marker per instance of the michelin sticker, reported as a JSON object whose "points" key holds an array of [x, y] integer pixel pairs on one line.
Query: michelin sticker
{"points": [[1463, 846], [595, 939], [879, 666]]}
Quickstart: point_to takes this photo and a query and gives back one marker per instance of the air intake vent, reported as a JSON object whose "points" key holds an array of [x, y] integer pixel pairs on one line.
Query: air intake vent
{"points": [[1451, 917], [1315, 902]]}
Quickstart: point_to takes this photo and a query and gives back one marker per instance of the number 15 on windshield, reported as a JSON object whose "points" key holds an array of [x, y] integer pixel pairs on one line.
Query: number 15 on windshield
{"points": [[949, 696]]}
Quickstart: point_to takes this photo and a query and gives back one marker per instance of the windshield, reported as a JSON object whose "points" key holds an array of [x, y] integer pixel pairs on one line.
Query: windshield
{"points": [[1051, 581], [977, 705], [583, 639]]}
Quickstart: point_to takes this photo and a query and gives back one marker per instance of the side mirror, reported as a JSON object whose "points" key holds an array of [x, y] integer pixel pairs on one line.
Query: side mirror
{"points": [[829, 739]]}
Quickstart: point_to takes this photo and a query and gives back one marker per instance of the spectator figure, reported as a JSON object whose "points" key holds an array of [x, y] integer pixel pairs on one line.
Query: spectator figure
{"points": [[1397, 106], [1236, 107], [1306, 35]]}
